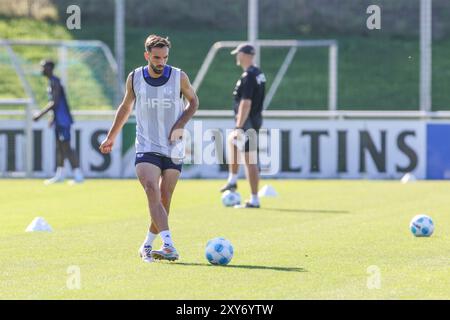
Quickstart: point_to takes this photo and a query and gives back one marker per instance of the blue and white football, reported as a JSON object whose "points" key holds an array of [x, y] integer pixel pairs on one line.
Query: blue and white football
{"points": [[230, 198], [422, 226], [219, 251]]}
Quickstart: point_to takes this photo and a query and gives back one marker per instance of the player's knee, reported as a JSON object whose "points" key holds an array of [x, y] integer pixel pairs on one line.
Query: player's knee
{"points": [[231, 139], [251, 158], [151, 188]]}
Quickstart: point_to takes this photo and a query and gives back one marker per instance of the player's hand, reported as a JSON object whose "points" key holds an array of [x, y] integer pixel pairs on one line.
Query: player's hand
{"points": [[107, 145], [237, 134], [176, 134], [237, 137]]}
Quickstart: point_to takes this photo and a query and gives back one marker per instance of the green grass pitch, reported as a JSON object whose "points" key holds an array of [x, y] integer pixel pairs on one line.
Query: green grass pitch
{"points": [[317, 239]]}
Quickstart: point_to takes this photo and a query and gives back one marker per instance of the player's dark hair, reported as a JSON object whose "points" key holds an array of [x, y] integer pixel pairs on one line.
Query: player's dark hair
{"points": [[155, 41], [48, 63]]}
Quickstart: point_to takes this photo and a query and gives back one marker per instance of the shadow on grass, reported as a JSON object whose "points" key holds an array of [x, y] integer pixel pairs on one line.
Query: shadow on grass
{"points": [[308, 210], [285, 269]]}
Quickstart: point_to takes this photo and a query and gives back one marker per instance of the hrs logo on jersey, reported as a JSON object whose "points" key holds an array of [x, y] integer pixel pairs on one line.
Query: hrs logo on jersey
{"points": [[163, 103]]}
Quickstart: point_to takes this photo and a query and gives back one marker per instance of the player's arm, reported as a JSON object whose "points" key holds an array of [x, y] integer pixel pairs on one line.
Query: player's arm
{"points": [[189, 93], [56, 94], [245, 105], [122, 114], [244, 110]]}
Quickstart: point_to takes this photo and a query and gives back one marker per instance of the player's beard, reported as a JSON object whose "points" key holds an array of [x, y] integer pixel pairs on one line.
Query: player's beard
{"points": [[155, 69]]}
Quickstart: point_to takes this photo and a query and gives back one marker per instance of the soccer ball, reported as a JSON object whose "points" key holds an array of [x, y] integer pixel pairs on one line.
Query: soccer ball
{"points": [[230, 198], [421, 226], [219, 251]]}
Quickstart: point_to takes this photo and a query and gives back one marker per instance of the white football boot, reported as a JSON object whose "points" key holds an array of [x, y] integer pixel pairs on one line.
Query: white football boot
{"points": [[166, 253], [145, 252]]}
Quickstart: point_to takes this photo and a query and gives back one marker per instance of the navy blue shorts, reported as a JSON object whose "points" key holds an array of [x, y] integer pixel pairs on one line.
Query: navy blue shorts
{"points": [[158, 160], [62, 133]]}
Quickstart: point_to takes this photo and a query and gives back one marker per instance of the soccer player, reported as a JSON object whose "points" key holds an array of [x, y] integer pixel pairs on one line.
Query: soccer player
{"points": [[62, 120], [248, 105], [156, 91]]}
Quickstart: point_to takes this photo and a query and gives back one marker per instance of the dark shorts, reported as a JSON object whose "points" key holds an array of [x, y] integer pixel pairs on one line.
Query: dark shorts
{"points": [[158, 160], [251, 141], [62, 133]]}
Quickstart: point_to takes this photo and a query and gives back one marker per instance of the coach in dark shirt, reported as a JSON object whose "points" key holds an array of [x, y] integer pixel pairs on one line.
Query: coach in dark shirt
{"points": [[248, 105]]}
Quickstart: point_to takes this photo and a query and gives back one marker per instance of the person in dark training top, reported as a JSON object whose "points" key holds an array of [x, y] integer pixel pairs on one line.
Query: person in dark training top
{"points": [[62, 121]]}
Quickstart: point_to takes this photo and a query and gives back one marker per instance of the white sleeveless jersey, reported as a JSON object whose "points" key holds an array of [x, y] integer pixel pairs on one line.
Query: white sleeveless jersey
{"points": [[158, 107]]}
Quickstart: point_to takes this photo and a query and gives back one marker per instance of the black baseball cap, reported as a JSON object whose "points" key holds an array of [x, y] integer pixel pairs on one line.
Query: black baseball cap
{"points": [[245, 48]]}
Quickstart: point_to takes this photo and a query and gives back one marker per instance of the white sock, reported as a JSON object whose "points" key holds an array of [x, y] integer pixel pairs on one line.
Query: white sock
{"points": [[59, 172], [150, 238], [254, 199], [166, 238], [232, 178]]}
